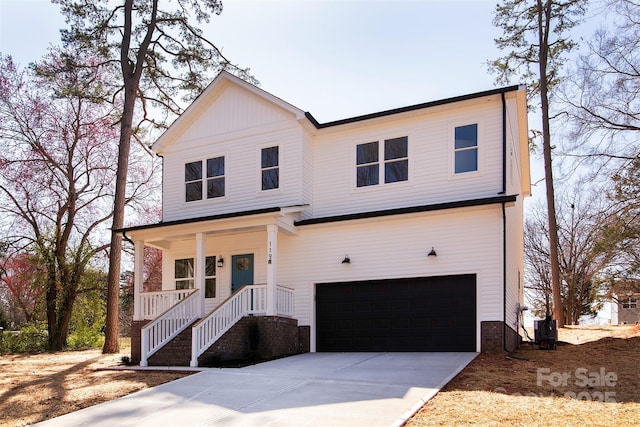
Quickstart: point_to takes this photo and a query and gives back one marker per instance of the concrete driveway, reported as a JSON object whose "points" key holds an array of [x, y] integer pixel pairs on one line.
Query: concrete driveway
{"points": [[312, 389]]}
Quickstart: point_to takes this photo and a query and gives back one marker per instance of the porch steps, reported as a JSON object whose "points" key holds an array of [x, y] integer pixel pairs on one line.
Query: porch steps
{"points": [[176, 352], [261, 337]]}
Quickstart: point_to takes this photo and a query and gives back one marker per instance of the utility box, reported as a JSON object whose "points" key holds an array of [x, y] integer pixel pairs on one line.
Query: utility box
{"points": [[546, 333]]}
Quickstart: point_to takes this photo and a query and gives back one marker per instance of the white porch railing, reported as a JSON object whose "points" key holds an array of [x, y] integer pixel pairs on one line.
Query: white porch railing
{"points": [[155, 303], [168, 325], [285, 304], [249, 300]]}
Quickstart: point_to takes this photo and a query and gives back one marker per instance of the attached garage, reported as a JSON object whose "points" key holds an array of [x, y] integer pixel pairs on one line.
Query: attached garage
{"points": [[417, 314]]}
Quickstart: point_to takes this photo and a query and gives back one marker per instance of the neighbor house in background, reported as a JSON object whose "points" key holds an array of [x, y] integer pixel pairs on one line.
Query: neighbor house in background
{"points": [[627, 310], [396, 231]]}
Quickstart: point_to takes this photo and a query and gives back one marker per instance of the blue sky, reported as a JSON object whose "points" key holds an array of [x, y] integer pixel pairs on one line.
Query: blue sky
{"points": [[333, 58]]}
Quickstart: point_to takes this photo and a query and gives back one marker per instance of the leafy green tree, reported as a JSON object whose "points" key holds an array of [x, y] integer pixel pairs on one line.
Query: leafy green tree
{"points": [[160, 53], [536, 38]]}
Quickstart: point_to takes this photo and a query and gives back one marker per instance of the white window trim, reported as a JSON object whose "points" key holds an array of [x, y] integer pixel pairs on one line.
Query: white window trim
{"points": [[451, 135], [204, 199], [195, 268], [259, 190], [381, 164]]}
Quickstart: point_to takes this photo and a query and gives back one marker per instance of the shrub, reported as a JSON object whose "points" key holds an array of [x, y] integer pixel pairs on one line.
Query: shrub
{"points": [[31, 339], [85, 337]]}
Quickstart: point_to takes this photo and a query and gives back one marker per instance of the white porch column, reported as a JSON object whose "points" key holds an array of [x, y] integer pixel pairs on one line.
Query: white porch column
{"points": [[138, 278], [272, 268], [200, 268]]}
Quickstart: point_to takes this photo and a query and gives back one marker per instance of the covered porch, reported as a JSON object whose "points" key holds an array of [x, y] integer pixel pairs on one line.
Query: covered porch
{"points": [[215, 271]]}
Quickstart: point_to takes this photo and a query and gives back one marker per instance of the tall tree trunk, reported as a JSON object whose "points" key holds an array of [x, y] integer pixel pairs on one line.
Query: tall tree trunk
{"points": [[131, 73], [111, 342], [544, 17]]}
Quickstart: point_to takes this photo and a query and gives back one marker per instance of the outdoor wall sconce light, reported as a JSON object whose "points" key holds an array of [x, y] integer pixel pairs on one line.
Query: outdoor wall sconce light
{"points": [[433, 252], [346, 260], [220, 261]]}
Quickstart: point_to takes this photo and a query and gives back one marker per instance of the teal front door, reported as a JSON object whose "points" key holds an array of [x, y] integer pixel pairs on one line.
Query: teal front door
{"points": [[241, 271]]}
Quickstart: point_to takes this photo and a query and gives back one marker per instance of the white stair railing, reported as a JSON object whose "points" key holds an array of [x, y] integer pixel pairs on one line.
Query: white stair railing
{"points": [[250, 299], [155, 303], [168, 325]]}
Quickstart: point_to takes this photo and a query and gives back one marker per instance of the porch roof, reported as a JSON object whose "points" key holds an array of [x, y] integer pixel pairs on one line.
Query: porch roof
{"points": [[222, 223]]}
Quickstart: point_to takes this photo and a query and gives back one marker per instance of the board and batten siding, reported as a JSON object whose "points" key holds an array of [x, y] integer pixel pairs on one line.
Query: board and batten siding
{"points": [[430, 149]]}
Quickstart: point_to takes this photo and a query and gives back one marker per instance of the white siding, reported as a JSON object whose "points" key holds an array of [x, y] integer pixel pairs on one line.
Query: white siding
{"points": [[225, 246], [431, 177], [242, 170], [515, 264], [466, 240]]}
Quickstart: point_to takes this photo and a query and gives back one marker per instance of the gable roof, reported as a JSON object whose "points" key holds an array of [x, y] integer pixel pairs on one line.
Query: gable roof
{"points": [[222, 80], [211, 92]]}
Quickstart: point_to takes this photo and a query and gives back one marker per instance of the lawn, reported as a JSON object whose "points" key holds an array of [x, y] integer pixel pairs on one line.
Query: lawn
{"points": [[591, 379]]}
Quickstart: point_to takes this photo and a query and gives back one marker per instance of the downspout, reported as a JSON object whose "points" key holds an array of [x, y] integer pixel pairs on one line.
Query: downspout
{"points": [[125, 237], [504, 223]]}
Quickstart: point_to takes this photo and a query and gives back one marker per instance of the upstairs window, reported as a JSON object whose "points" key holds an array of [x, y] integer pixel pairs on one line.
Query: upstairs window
{"points": [[630, 302], [466, 148], [367, 167], [193, 181], [395, 166], [396, 160], [269, 167], [215, 178]]}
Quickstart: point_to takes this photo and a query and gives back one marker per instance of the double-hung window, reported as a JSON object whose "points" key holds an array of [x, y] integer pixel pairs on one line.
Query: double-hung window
{"points": [[396, 160], [213, 182], [185, 275], [193, 181], [269, 168], [367, 166], [466, 148], [395, 166], [215, 177], [210, 277]]}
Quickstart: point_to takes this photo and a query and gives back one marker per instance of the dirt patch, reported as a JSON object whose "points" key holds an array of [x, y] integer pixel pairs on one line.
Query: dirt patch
{"points": [[592, 378], [34, 388]]}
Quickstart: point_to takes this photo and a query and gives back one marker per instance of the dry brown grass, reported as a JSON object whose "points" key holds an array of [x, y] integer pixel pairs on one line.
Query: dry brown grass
{"points": [[37, 387], [495, 390]]}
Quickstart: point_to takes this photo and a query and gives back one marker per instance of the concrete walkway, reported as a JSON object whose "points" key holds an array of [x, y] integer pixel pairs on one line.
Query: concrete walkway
{"points": [[312, 389]]}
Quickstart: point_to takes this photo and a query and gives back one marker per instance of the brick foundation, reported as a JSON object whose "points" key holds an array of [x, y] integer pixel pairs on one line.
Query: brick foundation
{"points": [[304, 338], [491, 336], [176, 352], [260, 337], [136, 341]]}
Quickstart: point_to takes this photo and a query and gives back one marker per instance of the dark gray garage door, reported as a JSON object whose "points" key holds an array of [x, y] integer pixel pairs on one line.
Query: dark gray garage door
{"points": [[418, 314]]}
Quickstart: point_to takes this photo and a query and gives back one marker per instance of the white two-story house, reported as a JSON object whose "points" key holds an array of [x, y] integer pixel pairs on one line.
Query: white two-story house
{"points": [[395, 231]]}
